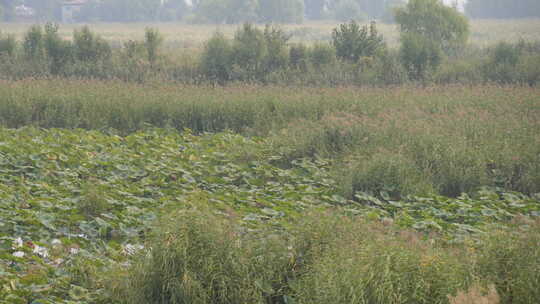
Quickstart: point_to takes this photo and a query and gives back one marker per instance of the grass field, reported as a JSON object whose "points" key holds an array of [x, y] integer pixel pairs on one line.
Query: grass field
{"points": [[483, 32], [160, 192]]}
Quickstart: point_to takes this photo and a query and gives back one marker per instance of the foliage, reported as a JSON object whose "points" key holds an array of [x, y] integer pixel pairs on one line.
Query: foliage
{"points": [[419, 55], [33, 43], [433, 21], [216, 218], [249, 50], [353, 42], [501, 66], [322, 54], [8, 45], [458, 138], [216, 59], [59, 51], [89, 47]]}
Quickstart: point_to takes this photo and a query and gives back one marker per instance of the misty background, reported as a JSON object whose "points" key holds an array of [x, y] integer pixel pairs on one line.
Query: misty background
{"points": [[238, 11]]}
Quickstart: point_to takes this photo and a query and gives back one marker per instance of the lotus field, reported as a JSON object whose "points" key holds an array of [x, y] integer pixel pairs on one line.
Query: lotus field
{"points": [[160, 193]]}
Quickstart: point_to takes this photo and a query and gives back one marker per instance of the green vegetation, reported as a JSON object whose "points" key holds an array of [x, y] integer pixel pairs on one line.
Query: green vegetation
{"points": [[357, 56], [441, 140], [218, 219], [262, 168]]}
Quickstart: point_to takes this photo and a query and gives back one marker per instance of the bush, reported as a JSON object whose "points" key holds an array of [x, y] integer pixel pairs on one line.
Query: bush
{"points": [[33, 44], [216, 59], [59, 51], [249, 52], [322, 54], [501, 66], [89, 47], [8, 45], [353, 42], [298, 57], [276, 45], [420, 56]]}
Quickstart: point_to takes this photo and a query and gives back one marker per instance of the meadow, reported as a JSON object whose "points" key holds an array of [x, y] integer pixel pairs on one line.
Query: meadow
{"points": [[117, 192], [129, 176]]}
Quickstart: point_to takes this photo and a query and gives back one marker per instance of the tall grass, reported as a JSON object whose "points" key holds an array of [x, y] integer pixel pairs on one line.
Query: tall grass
{"points": [[407, 140], [197, 257]]}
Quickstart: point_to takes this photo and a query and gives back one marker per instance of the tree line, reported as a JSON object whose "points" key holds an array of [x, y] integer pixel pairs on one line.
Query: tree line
{"points": [[208, 11], [433, 49]]}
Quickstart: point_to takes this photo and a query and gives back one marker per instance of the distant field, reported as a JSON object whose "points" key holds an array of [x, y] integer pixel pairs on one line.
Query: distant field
{"points": [[484, 32]]}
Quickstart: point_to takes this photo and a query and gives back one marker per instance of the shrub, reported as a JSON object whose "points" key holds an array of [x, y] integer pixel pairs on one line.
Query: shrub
{"points": [[249, 51], [420, 55], [59, 51], [501, 66], [276, 45], [8, 45], [216, 59], [90, 48], [298, 56], [33, 44], [353, 42], [322, 54]]}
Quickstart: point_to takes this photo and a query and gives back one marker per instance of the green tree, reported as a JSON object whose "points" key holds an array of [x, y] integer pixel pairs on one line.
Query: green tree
{"points": [[353, 41], [90, 48], [429, 29], [59, 51], [433, 20], [216, 63], [249, 49]]}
